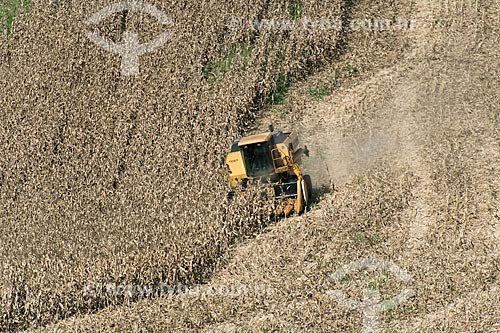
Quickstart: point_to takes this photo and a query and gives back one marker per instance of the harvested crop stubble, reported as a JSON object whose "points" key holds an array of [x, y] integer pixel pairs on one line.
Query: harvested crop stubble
{"points": [[106, 178]]}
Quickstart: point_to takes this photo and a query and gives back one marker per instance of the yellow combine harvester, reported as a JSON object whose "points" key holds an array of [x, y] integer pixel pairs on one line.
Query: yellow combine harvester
{"points": [[272, 159]]}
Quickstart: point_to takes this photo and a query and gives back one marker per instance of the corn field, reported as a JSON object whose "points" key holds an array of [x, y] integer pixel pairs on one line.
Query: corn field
{"points": [[107, 178]]}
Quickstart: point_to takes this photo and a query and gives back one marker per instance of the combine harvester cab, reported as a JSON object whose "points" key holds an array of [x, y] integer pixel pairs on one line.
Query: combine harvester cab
{"points": [[272, 159]]}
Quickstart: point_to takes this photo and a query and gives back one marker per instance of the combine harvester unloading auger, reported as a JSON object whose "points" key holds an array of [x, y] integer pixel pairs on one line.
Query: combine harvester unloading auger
{"points": [[272, 160]]}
